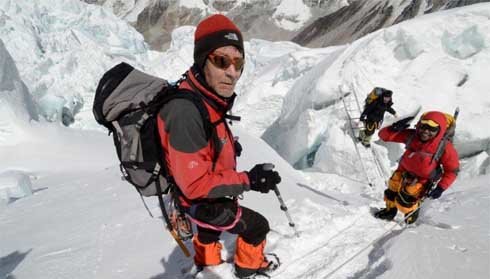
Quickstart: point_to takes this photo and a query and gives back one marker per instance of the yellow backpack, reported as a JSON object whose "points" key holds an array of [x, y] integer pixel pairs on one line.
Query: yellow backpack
{"points": [[373, 95], [450, 120]]}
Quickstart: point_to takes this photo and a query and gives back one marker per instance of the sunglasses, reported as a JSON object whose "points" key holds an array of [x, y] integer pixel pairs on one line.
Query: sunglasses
{"points": [[429, 128], [224, 62]]}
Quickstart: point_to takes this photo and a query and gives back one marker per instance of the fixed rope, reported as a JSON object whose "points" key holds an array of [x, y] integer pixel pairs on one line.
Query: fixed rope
{"points": [[386, 232]]}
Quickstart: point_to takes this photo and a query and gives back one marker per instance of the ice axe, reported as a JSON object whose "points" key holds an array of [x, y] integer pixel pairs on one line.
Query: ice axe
{"points": [[168, 223], [270, 167]]}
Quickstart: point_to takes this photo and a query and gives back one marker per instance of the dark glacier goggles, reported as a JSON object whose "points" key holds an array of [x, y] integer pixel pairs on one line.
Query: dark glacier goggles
{"points": [[224, 61], [429, 128]]}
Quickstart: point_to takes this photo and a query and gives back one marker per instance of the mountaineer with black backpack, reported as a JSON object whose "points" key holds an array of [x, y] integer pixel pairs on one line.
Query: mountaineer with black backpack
{"points": [[175, 139], [378, 101]]}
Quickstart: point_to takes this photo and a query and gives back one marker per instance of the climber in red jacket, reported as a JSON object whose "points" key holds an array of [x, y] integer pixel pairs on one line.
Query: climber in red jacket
{"points": [[201, 153], [419, 168]]}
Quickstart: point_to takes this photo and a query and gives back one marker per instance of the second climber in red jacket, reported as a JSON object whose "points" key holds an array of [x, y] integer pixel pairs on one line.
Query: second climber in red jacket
{"points": [[418, 169]]}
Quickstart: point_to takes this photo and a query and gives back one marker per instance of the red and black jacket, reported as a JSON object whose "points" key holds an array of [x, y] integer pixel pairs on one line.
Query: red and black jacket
{"points": [[202, 168], [417, 158]]}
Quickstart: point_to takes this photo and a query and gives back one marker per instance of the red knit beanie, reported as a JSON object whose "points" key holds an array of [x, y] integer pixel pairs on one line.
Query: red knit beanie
{"points": [[214, 32]]}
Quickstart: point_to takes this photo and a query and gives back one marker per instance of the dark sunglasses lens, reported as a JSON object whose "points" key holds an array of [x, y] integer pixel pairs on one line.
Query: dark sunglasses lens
{"points": [[223, 62], [429, 128], [239, 64]]}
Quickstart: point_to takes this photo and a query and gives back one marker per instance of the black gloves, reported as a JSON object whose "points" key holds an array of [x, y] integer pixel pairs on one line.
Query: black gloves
{"points": [[436, 193], [401, 124], [238, 147], [263, 178]]}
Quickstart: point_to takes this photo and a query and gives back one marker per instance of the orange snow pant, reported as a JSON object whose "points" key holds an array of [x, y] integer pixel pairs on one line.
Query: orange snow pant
{"points": [[404, 192], [207, 254], [247, 256], [251, 229]]}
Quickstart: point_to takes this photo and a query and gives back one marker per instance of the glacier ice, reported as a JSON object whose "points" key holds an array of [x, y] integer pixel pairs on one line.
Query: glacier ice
{"points": [[408, 46], [14, 185], [62, 48], [16, 104], [465, 44], [60, 108]]}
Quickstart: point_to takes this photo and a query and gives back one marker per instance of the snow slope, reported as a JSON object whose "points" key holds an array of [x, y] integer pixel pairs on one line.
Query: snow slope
{"points": [[82, 221]]}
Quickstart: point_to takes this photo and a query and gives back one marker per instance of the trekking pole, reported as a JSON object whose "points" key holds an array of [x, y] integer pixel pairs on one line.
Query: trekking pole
{"points": [[270, 167], [285, 209]]}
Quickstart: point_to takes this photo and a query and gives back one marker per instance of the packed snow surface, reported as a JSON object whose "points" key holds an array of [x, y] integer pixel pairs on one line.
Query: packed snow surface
{"points": [[80, 220]]}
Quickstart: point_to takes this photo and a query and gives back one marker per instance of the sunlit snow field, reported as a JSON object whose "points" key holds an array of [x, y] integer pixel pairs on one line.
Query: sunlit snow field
{"points": [[66, 213]]}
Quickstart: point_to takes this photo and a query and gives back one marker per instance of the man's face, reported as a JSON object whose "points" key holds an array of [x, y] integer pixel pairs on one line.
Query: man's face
{"points": [[386, 99], [427, 132], [220, 70]]}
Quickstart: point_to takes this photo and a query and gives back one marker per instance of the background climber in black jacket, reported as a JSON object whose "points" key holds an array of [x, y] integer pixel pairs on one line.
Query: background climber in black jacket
{"points": [[377, 103]]}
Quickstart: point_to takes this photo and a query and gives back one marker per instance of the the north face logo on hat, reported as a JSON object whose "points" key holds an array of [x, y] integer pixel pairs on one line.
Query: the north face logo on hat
{"points": [[231, 36]]}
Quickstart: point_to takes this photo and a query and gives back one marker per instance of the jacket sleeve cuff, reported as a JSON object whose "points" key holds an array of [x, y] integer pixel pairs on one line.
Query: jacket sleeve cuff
{"points": [[443, 186], [246, 181]]}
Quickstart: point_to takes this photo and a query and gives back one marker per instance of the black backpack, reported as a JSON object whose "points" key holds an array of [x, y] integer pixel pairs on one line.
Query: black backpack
{"points": [[127, 102]]}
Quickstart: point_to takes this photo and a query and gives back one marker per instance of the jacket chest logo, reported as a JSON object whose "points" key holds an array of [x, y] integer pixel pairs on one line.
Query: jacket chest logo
{"points": [[192, 164]]}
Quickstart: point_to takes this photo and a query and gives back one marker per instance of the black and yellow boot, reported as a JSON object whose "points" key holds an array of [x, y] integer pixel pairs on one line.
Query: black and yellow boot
{"points": [[364, 139], [386, 213], [412, 218]]}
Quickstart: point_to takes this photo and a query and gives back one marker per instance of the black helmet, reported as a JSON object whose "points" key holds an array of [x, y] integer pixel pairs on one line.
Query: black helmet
{"points": [[387, 93]]}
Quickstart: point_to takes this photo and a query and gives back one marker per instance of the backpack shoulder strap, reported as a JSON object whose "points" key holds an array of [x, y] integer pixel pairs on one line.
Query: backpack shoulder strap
{"points": [[199, 103], [209, 127], [441, 148]]}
